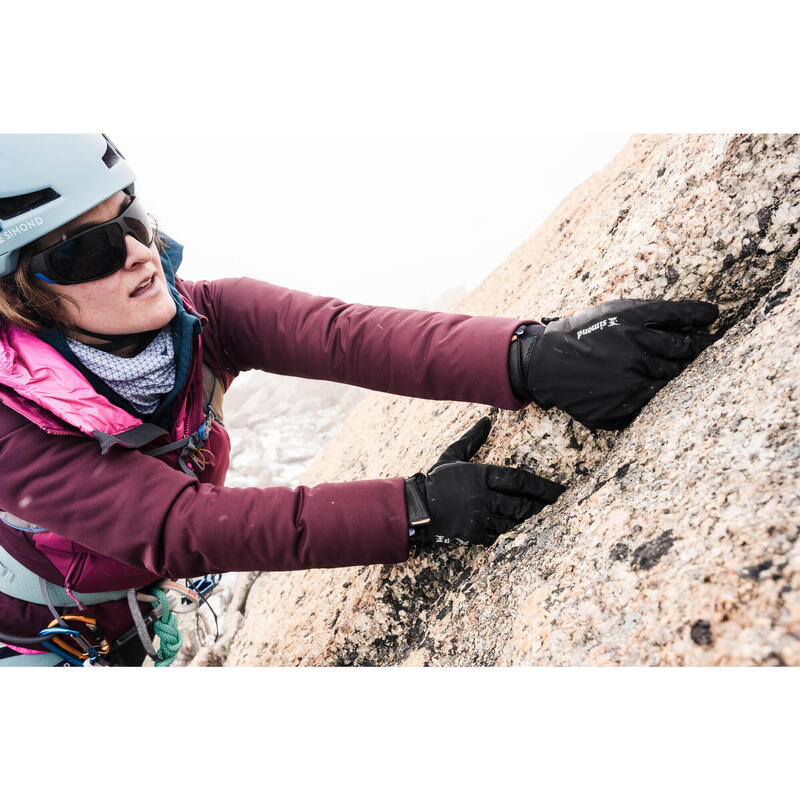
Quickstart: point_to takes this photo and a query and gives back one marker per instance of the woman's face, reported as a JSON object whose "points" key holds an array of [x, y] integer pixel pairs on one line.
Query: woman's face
{"points": [[115, 304]]}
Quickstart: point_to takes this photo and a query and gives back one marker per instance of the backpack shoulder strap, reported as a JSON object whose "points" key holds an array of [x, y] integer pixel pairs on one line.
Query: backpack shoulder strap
{"points": [[17, 581]]}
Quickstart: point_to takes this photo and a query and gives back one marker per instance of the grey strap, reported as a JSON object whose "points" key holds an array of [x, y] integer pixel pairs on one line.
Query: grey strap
{"points": [[46, 592], [141, 625], [16, 580]]}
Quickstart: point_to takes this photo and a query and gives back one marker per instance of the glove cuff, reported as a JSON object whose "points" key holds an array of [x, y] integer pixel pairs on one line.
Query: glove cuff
{"points": [[520, 356]]}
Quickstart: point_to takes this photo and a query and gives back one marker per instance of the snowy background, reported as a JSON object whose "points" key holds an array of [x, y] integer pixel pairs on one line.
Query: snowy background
{"points": [[279, 424]]}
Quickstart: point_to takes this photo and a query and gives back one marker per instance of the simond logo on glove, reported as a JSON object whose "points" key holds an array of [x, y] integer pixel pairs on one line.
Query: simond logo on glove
{"points": [[608, 322]]}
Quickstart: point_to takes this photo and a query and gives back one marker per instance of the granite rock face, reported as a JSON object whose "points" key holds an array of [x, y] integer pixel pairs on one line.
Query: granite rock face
{"points": [[678, 539]]}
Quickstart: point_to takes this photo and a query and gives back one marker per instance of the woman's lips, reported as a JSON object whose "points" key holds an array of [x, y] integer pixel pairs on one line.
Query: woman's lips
{"points": [[147, 288]]}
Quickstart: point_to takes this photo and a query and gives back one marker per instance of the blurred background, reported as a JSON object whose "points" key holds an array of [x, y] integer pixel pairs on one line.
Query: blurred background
{"points": [[384, 220]]}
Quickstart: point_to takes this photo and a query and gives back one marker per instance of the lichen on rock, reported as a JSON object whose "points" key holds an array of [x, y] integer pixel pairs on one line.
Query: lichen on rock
{"points": [[678, 539]]}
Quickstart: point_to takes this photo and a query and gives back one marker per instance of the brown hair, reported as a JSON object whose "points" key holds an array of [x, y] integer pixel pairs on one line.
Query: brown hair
{"points": [[30, 304]]}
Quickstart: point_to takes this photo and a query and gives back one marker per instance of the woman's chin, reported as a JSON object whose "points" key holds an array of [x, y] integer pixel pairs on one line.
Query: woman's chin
{"points": [[156, 312], [139, 320]]}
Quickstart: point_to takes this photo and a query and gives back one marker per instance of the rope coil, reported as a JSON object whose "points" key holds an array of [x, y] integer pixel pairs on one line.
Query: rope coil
{"points": [[170, 638]]}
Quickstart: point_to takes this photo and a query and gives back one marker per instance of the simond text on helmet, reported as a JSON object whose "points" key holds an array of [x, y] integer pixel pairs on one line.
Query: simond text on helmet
{"points": [[23, 227]]}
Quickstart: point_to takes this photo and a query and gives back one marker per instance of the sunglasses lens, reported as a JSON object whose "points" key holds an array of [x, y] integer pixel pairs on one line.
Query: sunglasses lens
{"points": [[93, 255], [138, 223]]}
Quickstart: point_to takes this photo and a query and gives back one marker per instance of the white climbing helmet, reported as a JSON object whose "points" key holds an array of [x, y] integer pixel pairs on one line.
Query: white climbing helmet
{"points": [[48, 179]]}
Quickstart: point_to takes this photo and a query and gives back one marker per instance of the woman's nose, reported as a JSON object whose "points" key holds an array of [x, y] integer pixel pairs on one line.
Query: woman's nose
{"points": [[136, 252]]}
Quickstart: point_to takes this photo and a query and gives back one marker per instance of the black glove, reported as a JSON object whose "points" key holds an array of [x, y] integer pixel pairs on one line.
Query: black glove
{"points": [[473, 503], [602, 365]]}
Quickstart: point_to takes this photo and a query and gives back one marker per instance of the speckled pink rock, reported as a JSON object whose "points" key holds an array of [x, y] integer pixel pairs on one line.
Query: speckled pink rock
{"points": [[678, 541]]}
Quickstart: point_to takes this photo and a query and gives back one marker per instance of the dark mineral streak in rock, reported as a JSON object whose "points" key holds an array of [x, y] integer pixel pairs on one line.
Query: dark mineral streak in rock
{"points": [[622, 214], [650, 553], [619, 552], [672, 276], [755, 572]]}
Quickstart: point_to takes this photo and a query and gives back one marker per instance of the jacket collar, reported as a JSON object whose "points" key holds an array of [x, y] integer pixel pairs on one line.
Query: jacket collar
{"points": [[38, 373]]}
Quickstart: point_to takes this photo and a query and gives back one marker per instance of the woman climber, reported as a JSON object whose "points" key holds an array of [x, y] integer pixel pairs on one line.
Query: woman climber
{"points": [[112, 369]]}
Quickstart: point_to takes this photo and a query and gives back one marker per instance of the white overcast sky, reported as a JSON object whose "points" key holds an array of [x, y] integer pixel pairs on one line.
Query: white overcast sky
{"points": [[388, 220]]}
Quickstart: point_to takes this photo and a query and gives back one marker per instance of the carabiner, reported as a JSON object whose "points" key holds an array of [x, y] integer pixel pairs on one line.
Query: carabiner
{"points": [[91, 649], [54, 648]]}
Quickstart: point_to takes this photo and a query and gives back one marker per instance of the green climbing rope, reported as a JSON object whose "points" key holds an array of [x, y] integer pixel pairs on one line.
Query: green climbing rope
{"points": [[170, 639]]}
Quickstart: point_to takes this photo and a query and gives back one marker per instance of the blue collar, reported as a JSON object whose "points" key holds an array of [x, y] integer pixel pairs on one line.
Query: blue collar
{"points": [[171, 257]]}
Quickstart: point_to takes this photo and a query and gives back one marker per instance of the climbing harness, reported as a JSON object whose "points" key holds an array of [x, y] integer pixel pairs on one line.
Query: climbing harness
{"points": [[90, 647]]}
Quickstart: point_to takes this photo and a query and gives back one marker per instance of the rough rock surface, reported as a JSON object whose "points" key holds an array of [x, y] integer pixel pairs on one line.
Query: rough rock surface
{"points": [[678, 540]]}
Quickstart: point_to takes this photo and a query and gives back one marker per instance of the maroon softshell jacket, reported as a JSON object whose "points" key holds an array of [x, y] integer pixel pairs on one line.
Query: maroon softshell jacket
{"points": [[139, 511]]}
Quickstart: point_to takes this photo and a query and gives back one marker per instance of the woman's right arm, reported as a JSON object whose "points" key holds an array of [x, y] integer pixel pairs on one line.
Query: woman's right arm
{"points": [[140, 511], [257, 325]]}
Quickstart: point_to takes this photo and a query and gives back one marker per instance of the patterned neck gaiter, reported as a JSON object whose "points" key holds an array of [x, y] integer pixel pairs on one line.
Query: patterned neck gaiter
{"points": [[143, 379]]}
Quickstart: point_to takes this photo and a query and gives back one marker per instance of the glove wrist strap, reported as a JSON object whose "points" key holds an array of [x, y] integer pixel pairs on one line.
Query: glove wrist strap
{"points": [[416, 501], [520, 354]]}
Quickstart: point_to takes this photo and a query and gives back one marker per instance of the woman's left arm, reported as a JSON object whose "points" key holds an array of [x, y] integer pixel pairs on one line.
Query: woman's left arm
{"points": [[257, 325]]}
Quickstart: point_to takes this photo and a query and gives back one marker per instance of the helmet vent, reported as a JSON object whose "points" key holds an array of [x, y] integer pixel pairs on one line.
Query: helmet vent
{"points": [[112, 155], [11, 207]]}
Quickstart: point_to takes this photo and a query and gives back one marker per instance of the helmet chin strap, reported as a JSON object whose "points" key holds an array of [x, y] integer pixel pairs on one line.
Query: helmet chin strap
{"points": [[115, 342]]}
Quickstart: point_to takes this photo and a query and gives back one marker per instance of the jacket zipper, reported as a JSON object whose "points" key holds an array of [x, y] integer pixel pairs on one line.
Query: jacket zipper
{"points": [[74, 573], [189, 385]]}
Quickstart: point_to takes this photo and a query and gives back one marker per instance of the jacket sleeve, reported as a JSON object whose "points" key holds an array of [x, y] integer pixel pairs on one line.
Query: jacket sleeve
{"points": [[140, 511], [438, 356]]}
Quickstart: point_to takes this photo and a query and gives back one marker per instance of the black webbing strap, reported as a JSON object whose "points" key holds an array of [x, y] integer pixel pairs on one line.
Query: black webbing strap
{"points": [[134, 438]]}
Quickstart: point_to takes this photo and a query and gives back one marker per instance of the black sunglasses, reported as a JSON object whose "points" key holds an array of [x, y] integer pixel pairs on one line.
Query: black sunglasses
{"points": [[96, 252]]}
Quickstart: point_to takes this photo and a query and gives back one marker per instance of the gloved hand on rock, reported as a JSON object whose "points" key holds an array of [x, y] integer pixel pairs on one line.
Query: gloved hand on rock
{"points": [[603, 365], [472, 503]]}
